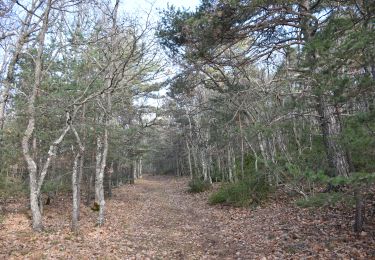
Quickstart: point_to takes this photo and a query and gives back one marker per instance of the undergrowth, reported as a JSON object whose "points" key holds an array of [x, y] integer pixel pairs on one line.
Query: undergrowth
{"points": [[198, 185], [11, 187], [325, 199], [251, 190]]}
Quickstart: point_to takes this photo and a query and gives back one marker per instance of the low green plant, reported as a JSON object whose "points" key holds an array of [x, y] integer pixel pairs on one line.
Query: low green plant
{"points": [[325, 199], [198, 185], [216, 175], [58, 184], [251, 190], [11, 186]]}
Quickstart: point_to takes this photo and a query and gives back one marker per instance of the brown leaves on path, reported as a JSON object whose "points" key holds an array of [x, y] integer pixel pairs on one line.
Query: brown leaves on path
{"points": [[158, 219]]}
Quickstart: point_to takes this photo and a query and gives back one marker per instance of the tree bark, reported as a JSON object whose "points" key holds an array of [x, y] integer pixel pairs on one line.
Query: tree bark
{"points": [[242, 148], [230, 169], [331, 130], [101, 158], [189, 160], [76, 181], [110, 173], [140, 167], [360, 210], [35, 182], [75, 189]]}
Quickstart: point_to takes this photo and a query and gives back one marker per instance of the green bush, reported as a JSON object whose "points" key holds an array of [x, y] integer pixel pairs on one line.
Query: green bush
{"points": [[251, 190], [11, 186], [198, 185], [325, 199], [216, 175]]}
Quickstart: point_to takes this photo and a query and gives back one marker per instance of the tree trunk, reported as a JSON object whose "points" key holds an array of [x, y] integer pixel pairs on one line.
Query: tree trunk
{"points": [[79, 180], [37, 223], [82, 159], [140, 167], [360, 211], [101, 158], [76, 181], [110, 172], [90, 181], [209, 168], [135, 169], [189, 160], [75, 189], [329, 116], [331, 130], [35, 182], [230, 170], [254, 153], [263, 150], [220, 171], [242, 148], [204, 166]]}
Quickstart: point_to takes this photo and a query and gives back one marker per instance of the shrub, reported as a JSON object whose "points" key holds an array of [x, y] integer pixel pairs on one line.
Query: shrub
{"points": [[251, 190], [198, 185], [11, 186], [325, 199], [216, 175]]}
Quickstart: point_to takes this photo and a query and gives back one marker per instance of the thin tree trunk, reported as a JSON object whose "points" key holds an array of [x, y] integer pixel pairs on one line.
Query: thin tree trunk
{"points": [[101, 164], [140, 167], [110, 172], [79, 177], [31, 165], [296, 137], [133, 173], [76, 181], [230, 170], [263, 149], [75, 189], [242, 148], [254, 153], [209, 167], [220, 171], [360, 210], [204, 166], [90, 181], [101, 158], [82, 159], [189, 160], [235, 177]]}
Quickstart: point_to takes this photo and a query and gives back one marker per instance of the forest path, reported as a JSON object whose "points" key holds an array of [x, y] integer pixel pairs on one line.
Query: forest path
{"points": [[168, 222], [158, 219]]}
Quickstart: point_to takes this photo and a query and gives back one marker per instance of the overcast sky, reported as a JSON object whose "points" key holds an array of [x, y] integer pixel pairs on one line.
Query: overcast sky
{"points": [[134, 6], [139, 8]]}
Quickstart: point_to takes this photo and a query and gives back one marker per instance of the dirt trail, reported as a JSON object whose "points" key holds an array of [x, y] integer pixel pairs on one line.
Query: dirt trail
{"points": [[158, 219]]}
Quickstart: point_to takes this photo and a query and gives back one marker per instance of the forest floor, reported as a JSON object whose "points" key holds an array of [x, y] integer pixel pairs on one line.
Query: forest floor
{"points": [[158, 219]]}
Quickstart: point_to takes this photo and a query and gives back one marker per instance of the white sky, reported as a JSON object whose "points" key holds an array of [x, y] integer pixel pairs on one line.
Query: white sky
{"points": [[132, 6], [139, 8]]}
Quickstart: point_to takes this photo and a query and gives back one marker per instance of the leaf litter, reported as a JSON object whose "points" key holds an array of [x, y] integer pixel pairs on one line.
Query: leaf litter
{"points": [[158, 219]]}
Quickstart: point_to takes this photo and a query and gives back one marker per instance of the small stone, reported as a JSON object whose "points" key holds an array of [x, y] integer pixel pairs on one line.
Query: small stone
{"points": [[363, 233]]}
